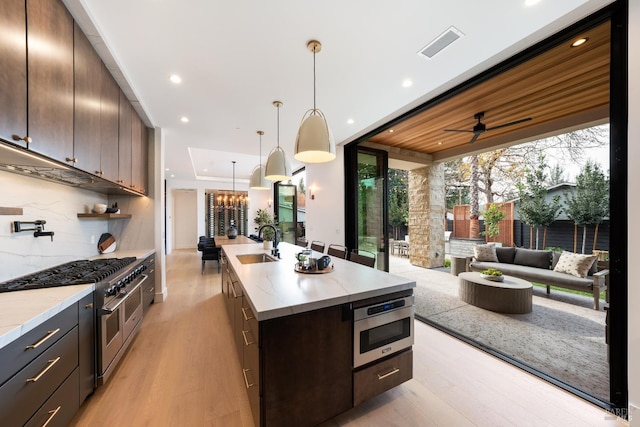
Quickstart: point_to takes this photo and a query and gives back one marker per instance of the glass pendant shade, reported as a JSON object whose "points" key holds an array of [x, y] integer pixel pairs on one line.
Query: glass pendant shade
{"points": [[278, 167], [314, 142], [258, 181]]}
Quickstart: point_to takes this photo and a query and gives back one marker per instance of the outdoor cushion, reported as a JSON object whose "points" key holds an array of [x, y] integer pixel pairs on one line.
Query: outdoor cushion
{"points": [[485, 253], [506, 255], [539, 275], [575, 264], [533, 258]]}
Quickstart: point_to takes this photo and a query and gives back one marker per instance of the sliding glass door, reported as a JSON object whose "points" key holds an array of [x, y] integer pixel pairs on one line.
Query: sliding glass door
{"points": [[367, 204]]}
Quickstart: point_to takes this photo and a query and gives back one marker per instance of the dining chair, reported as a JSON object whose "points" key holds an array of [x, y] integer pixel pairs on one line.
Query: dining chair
{"points": [[210, 252], [337, 251], [317, 246], [363, 257]]}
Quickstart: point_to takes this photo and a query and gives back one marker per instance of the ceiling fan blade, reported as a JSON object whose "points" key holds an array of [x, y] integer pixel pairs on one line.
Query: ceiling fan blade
{"points": [[474, 137], [510, 123], [457, 130]]}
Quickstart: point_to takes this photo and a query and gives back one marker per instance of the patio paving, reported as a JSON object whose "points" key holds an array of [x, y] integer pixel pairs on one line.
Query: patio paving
{"points": [[562, 336]]}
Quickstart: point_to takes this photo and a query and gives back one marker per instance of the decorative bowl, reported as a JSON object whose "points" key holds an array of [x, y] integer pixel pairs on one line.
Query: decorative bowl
{"points": [[99, 208], [492, 278]]}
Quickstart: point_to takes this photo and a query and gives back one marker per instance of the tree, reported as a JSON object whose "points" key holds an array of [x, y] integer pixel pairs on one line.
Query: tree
{"points": [[533, 207], [557, 176], [492, 217], [398, 199], [590, 202], [499, 171], [474, 214]]}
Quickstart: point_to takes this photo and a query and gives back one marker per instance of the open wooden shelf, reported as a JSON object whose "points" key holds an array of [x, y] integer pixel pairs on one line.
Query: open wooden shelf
{"points": [[104, 215]]}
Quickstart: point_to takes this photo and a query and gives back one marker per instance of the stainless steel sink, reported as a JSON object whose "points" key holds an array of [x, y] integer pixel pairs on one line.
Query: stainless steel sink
{"points": [[255, 258]]}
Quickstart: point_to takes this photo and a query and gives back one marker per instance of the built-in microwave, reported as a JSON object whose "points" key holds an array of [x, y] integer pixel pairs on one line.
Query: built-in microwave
{"points": [[382, 329]]}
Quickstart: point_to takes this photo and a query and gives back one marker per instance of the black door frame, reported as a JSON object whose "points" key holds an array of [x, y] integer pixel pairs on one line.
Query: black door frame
{"points": [[351, 196], [617, 13]]}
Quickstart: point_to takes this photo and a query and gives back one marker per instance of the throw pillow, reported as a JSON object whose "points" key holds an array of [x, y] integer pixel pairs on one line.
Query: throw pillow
{"points": [[485, 253], [533, 258], [575, 264], [506, 255]]}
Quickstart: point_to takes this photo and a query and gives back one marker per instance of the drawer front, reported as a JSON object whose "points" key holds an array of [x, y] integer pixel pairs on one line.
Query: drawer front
{"points": [[23, 394], [23, 350], [60, 408], [382, 376]]}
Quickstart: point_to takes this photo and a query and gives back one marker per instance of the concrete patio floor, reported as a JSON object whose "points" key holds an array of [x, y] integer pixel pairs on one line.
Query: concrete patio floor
{"points": [[562, 336]]}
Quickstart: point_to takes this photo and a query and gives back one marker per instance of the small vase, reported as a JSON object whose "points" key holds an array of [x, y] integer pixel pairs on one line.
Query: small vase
{"points": [[266, 244], [232, 232]]}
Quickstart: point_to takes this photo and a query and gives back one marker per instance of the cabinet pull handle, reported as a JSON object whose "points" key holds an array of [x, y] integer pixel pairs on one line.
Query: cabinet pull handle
{"points": [[99, 172], [72, 159], [246, 341], [233, 290], [26, 139], [46, 337], [244, 314], [87, 306], [44, 371], [53, 414], [119, 181], [246, 381], [388, 374]]}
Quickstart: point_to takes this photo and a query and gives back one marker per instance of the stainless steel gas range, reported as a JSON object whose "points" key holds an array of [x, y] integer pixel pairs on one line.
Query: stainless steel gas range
{"points": [[118, 300]]}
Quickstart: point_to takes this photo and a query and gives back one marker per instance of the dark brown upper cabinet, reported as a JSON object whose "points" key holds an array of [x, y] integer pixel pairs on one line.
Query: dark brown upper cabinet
{"points": [[109, 131], [139, 135], [87, 106], [13, 77], [124, 142], [50, 77]]}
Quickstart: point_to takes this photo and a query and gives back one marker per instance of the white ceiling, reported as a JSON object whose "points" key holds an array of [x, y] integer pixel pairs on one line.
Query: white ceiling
{"points": [[236, 57]]}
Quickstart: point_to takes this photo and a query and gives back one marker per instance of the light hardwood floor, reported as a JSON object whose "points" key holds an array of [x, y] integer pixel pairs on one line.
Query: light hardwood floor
{"points": [[182, 370]]}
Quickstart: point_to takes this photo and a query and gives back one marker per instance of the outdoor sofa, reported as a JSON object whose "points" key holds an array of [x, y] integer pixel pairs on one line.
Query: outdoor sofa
{"points": [[566, 270]]}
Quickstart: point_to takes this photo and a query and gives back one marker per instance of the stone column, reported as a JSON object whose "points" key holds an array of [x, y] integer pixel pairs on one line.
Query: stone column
{"points": [[426, 216]]}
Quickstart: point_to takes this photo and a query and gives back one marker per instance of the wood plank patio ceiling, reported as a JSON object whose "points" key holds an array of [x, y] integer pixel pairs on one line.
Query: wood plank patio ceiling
{"points": [[560, 89]]}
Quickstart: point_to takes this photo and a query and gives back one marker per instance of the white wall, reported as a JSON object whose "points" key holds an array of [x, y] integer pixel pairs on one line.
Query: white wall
{"points": [[257, 200], [58, 205], [325, 214], [633, 209]]}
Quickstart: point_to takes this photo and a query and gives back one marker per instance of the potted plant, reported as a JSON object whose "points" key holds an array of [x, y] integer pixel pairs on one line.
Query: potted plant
{"points": [[264, 217]]}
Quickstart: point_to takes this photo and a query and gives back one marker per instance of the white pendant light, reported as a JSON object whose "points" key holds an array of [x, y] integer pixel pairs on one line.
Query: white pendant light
{"points": [[258, 181], [314, 142], [277, 167]]}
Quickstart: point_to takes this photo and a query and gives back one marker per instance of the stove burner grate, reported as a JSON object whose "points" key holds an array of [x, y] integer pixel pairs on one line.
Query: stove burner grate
{"points": [[71, 273]]}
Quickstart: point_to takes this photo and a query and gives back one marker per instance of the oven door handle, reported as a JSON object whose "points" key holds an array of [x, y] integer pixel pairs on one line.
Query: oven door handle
{"points": [[108, 309]]}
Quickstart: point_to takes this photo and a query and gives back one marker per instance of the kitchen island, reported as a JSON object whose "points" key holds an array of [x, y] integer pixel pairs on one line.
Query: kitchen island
{"points": [[294, 334]]}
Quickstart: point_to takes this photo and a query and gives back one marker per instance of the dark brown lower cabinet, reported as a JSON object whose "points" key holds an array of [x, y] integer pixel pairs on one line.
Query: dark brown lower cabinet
{"points": [[306, 375], [382, 376]]}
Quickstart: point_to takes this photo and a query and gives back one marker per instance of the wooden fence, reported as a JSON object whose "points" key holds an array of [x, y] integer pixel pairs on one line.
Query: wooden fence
{"points": [[462, 220]]}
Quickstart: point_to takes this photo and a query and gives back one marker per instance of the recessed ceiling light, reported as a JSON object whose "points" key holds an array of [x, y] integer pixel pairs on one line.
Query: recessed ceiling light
{"points": [[530, 3], [175, 78], [167, 169], [390, 130], [205, 169], [173, 176], [580, 42], [407, 83], [184, 119], [350, 121], [440, 143]]}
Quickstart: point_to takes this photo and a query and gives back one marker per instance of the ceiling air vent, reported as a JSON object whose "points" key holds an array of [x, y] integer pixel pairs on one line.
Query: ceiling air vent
{"points": [[443, 40]]}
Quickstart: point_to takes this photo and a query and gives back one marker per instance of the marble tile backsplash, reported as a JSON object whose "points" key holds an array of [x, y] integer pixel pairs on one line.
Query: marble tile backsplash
{"points": [[57, 204]]}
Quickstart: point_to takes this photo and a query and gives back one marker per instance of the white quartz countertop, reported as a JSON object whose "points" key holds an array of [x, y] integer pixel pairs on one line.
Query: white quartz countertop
{"points": [[22, 311], [274, 289]]}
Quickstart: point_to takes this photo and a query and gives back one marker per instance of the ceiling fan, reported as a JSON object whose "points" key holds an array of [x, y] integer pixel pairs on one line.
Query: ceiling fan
{"points": [[480, 127]]}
